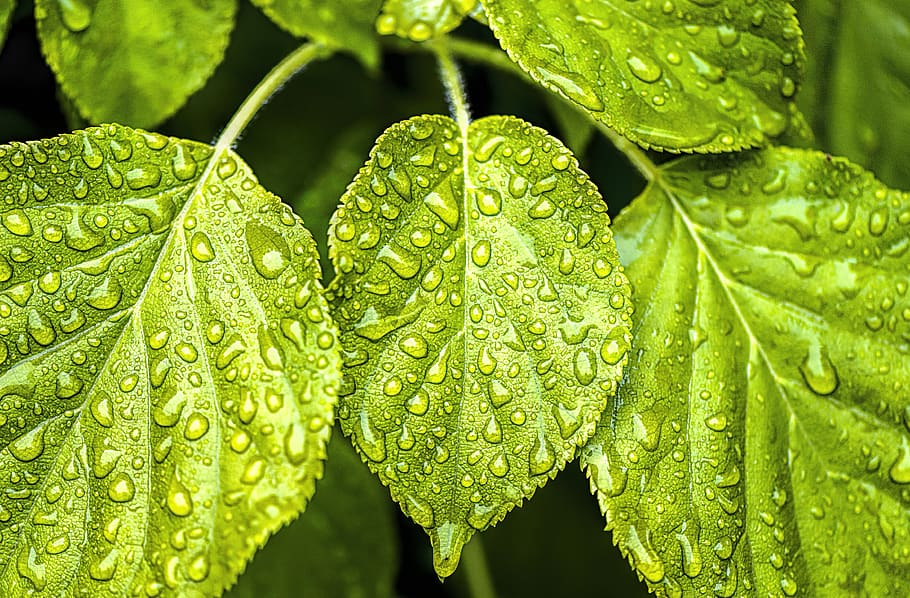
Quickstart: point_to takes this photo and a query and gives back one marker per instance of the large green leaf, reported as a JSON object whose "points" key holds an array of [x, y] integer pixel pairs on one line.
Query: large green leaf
{"points": [[702, 75], [343, 24], [167, 366], [484, 318], [760, 442], [345, 545], [858, 83], [133, 61], [419, 20], [6, 10]]}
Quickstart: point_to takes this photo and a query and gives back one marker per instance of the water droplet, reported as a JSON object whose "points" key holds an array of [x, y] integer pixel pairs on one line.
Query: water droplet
{"points": [[40, 328], [68, 385], [480, 253], [615, 346], [268, 250], [900, 469], [270, 351], [369, 439], [253, 472], [31, 568], [585, 366], [444, 206], [818, 371], [103, 569], [542, 456], [105, 295], [179, 501], [101, 409], [419, 403], [75, 14], [121, 488], [644, 557], [403, 263], [644, 68], [201, 247], [196, 426], [29, 446], [419, 510], [17, 222], [489, 202], [574, 87]]}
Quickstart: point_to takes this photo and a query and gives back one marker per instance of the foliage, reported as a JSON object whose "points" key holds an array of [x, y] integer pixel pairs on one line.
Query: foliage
{"points": [[729, 362]]}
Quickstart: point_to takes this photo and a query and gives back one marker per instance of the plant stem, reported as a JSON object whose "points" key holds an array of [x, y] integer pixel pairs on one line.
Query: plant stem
{"points": [[283, 72], [451, 78], [496, 58], [477, 572]]}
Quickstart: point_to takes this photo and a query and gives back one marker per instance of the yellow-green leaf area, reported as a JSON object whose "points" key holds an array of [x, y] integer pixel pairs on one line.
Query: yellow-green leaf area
{"points": [[168, 368], [6, 11], [484, 318], [684, 75], [420, 20], [760, 445], [343, 24], [133, 61]]}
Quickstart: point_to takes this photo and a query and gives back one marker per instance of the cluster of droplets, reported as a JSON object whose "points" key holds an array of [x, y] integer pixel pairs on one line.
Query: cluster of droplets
{"points": [[421, 20], [172, 334], [476, 357], [670, 58]]}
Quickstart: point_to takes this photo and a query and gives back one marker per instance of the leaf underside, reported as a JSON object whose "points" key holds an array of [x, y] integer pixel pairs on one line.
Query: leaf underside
{"points": [[759, 444], [698, 76], [858, 85], [167, 366], [133, 61], [484, 318], [344, 24], [420, 20]]}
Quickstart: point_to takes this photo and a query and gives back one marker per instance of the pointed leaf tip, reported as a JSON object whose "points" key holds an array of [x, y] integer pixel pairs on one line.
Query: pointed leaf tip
{"points": [[448, 540]]}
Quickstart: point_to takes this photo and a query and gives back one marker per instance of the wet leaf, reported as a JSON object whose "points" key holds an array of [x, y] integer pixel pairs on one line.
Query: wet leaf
{"points": [[759, 444], [420, 20], [344, 545], [858, 85], [168, 367], [484, 318], [696, 76], [343, 24], [133, 61]]}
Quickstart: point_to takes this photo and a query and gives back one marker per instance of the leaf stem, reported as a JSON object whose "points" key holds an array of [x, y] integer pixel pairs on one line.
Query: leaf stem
{"points": [[476, 569], [496, 58], [283, 72], [454, 84]]}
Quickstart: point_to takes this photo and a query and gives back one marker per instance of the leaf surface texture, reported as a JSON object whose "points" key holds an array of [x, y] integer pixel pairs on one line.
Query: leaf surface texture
{"points": [[168, 368], [702, 76], [759, 444], [484, 317]]}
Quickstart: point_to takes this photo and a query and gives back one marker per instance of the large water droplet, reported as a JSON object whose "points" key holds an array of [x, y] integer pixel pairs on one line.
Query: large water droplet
{"points": [[76, 15], [818, 371], [268, 250]]}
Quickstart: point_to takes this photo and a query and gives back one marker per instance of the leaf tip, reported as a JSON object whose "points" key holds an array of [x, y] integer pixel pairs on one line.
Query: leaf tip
{"points": [[448, 540]]}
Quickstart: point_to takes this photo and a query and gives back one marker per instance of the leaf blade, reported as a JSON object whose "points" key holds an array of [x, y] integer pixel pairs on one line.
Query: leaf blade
{"points": [[674, 81], [149, 348], [347, 25], [164, 55], [755, 404], [417, 298]]}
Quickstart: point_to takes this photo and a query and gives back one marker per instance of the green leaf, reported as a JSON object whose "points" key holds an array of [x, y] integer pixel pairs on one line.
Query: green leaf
{"points": [[133, 61], [344, 24], [345, 544], [696, 76], [760, 443], [577, 130], [420, 20], [167, 366], [857, 92], [484, 318], [6, 10]]}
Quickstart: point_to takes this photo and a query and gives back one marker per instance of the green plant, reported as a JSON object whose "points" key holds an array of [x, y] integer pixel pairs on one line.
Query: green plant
{"points": [[171, 364]]}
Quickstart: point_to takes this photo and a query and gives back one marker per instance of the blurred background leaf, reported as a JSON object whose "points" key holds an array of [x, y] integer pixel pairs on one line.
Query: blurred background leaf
{"points": [[857, 90]]}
